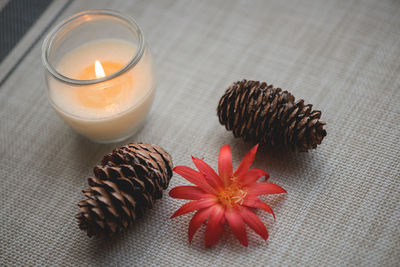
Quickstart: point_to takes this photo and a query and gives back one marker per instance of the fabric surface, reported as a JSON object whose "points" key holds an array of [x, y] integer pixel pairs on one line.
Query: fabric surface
{"points": [[343, 204], [15, 19]]}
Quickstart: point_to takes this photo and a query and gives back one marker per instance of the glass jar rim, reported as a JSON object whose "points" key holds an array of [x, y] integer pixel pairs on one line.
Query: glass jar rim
{"points": [[48, 42]]}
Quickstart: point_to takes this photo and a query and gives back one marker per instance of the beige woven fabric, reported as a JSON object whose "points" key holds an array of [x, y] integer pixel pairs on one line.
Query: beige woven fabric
{"points": [[343, 201]]}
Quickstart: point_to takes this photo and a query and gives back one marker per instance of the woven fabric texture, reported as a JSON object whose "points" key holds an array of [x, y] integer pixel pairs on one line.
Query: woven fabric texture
{"points": [[343, 204], [15, 19]]}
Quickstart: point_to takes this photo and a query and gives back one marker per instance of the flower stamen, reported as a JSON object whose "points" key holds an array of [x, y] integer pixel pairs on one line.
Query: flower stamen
{"points": [[232, 195]]}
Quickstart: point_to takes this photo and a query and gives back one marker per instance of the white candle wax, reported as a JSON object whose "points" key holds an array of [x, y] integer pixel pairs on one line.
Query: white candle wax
{"points": [[109, 110]]}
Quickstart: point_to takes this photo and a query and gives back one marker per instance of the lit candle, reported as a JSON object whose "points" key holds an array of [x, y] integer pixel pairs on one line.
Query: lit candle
{"points": [[103, 88]]}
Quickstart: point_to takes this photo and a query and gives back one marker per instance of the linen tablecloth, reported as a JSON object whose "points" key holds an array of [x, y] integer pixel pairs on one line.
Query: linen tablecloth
{"points": [[343, 200]]}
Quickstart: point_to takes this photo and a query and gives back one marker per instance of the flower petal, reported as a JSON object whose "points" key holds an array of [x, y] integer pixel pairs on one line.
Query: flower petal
{"points": [[193, 176], [246, 162], [225, 163], [236, 223], [197, 220], [264, 189], [209, 174], [258, 204], [194, 205], [215, 226], [187, 192], [254, 223], [252, 176]]}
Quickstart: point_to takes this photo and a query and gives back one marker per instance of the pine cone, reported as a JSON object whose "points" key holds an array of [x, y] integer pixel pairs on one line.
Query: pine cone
{"points": [[124, 186], [259, 113]]}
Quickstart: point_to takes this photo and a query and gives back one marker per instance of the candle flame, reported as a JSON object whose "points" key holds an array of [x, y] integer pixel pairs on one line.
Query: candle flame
{"points": [[98, 69]]}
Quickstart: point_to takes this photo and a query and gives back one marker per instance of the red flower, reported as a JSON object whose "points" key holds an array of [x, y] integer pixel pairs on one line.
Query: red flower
{"points": [[228, 196]]}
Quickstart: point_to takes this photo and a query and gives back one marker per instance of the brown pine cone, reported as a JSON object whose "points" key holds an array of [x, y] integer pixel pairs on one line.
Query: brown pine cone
{"points": [[125, 185], [260, 113]]}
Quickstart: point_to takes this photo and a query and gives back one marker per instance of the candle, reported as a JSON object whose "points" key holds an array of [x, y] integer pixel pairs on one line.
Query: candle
{"points": [[103, 87], [111, 109]]}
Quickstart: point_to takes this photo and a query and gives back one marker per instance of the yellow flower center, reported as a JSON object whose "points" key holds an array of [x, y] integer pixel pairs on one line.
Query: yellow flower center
{"points": [[233, 194]]}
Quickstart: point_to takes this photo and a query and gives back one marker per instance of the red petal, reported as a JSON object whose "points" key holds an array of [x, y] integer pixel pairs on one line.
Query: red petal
{"points": [[187, 192], [197, 220], [258, 204], [236, 223], [246, 162], [194, 205], [215, 226], [264, 189], [209, 174], [252, 176], [192, 176], [225, 163], [254, 223]]}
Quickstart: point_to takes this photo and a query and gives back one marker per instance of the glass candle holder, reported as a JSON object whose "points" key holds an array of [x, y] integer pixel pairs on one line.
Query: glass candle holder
{"points": [[99, 73]]}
